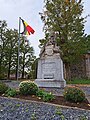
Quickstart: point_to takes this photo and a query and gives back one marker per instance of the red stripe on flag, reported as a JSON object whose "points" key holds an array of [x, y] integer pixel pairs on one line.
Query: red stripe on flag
{"points": [[29, 29]]}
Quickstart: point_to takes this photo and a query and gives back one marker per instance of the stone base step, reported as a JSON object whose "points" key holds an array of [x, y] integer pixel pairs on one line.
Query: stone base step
{"points": [[50, 83]]}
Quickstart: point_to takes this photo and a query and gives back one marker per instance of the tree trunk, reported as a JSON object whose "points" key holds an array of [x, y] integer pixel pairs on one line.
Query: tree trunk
{"points": [[9, 64], [23, 66], [23, 71], [9, 71], [16, 71], [17, 74], [67, 71], [0, 65]]}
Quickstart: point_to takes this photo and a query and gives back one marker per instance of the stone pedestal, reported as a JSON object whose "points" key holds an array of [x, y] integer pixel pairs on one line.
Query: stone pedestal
{"points": [[50, 67], [50, 73]]}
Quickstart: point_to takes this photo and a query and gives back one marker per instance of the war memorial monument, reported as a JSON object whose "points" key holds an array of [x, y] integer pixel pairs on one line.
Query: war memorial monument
{"points": [[50, 66]]}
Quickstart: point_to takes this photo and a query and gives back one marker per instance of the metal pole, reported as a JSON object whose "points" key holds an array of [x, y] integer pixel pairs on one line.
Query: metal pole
{"points": [[18, 47]]}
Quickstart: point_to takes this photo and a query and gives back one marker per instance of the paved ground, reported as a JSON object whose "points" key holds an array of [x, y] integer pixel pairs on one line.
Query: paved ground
{"points": [[15, 109], [56, 91]]}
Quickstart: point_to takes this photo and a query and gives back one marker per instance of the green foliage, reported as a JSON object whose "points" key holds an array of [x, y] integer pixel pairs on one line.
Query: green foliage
{"points": [[45, 95], [40, 93], [9, 55], [3, 44], [28, 88], [33, 71], [10, 50], [66, 21], [74, 94], [3, 88], [42, 42], [88, 42], [79, 81], [27, 57], [2, 76], [11, 92], [48, 97]]}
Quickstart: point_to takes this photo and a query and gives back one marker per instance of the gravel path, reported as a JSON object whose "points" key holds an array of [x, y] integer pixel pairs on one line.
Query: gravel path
{"points": [[12, 109]]}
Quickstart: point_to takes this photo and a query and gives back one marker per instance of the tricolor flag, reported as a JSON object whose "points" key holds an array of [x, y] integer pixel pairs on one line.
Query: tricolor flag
{"points": [[27, 29]]}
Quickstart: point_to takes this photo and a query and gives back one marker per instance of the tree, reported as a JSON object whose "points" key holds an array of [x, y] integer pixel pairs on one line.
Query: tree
{"points": [[33, 71], [26, 56], [9, 53], [3, 43], [88, 42], [11, 37], [64, 18]]}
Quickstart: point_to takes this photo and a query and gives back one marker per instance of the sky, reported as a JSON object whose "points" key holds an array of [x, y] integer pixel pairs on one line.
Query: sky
{"points": [[11, 10]]}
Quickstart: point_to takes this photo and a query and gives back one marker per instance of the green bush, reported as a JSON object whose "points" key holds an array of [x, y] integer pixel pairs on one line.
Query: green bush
{"points": [[11, 92], [28, 88], [40, 93], [74, 94], [45, 96], [48, 97], [3, 88]]}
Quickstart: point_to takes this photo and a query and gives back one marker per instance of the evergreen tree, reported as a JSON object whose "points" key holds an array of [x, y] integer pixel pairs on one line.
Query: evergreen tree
{"points": [[64, 18]]}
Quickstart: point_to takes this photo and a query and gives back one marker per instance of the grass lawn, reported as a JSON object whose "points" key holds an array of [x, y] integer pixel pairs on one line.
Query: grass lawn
{"points": [[79, 81]]}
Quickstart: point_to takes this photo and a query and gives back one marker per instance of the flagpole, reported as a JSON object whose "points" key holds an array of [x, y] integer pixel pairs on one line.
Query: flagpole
{"points": [[18, 47]]}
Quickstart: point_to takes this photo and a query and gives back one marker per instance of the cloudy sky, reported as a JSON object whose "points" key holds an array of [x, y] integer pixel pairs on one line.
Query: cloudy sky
{"points": [[11, 10]]}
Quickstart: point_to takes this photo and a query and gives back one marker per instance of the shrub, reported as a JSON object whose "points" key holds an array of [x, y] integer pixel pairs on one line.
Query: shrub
{"points": [[45, 96], [3, 87], [11, 92], [48, 97], [74, 94], [28, 88], [40, 93]]}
